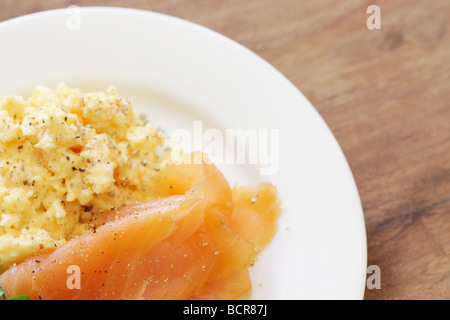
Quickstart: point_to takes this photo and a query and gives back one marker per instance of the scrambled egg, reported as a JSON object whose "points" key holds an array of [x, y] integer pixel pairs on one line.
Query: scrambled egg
{"points": [[65, 156]]}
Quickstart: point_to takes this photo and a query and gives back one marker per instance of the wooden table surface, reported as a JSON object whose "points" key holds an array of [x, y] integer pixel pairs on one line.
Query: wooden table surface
{"points": [[384, 93]]}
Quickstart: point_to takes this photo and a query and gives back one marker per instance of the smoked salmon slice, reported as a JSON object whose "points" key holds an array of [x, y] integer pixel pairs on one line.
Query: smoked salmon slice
{"points": [[192, 242]]}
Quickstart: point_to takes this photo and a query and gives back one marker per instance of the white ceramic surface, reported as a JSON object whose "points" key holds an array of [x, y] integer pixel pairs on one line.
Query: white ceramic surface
{"points": [[178, 72]]}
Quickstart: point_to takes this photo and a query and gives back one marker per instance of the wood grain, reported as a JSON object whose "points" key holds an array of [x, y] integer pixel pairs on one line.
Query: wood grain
{"points": [[385, 95]]}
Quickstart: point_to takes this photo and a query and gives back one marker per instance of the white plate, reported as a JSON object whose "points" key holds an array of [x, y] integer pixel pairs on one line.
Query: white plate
{"points": [[179, 72]]}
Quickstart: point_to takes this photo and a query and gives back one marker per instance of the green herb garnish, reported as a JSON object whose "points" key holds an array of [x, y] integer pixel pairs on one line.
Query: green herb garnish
{"points": [[2, 296]]}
